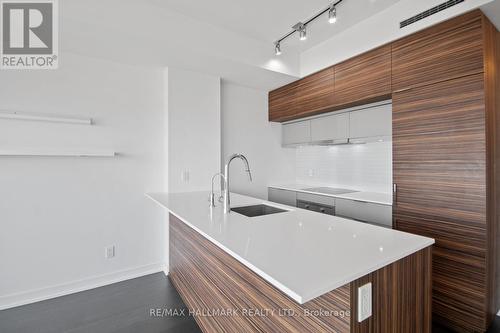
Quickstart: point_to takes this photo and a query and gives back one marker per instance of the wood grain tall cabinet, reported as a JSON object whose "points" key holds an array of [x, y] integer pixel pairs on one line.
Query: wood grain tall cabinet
{"points": [[446, 161]]}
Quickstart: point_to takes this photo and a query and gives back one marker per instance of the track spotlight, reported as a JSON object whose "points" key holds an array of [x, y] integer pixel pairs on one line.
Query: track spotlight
{"points": [[332, 14], [277, 49], [303, 33]]}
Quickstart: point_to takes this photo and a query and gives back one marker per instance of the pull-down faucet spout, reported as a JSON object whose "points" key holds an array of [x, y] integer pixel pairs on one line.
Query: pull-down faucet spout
{"points": [[227, 200]]}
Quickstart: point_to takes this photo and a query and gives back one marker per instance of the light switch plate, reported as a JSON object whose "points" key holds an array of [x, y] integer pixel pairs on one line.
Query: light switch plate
{"points": [[109, 252], [185, 176], [364, 302]]}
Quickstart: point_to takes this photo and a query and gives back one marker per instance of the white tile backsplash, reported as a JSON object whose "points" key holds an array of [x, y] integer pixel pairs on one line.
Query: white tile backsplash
{"points": [[364, 167]]}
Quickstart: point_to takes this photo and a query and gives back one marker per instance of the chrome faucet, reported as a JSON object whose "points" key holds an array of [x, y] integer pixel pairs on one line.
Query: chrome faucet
{"points": [[227, 200], [212, 194]]}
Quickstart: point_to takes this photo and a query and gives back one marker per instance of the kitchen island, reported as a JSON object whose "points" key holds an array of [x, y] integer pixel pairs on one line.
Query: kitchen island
{"points": [[295, 271]]}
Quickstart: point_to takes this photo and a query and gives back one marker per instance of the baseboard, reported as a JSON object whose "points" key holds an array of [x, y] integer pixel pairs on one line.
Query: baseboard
{"points": [[37, 295]]}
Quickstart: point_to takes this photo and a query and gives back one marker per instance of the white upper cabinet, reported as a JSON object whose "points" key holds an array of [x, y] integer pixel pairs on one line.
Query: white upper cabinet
{"points": [[334, 127], [296, 133], [372, 122]]}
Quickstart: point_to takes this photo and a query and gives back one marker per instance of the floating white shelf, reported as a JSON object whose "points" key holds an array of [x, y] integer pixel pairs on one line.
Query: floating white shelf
{"points": [[57, 153], [15, 115]]}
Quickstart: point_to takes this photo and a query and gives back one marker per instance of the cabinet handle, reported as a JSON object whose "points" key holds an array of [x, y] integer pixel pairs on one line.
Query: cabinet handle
{"points": [[307, 206], [394, 194]]}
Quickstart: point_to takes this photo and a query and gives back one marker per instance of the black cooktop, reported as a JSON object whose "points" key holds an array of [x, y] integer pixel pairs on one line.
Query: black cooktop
{"points": [[329, 190]]}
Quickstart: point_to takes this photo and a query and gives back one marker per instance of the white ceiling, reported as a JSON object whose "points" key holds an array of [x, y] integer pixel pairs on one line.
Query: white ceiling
{"points": [[268, 20], [232, 38]]}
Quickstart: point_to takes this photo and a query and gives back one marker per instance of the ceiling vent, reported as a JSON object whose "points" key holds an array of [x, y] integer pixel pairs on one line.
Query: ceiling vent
{"points": [[429, 12]]}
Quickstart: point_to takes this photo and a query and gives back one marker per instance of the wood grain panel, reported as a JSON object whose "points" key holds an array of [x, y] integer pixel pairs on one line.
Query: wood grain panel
{"points": [[492, 102], [466, 239], [315, 93], [492, 70], [440, 168], [207, 278], [282, 103], [459, 271], [440, 151], [445, 51], [364, 79], [401, 297]]}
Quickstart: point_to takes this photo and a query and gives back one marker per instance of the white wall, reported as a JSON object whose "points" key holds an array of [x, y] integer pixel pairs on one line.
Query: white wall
{"points": [[194, 129], [377, 30], [246, 130], [165, 38], [364, 167], [58, 214]]}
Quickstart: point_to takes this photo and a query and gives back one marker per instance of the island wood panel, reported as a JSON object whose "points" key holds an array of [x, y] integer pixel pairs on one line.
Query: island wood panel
{"points": [[282, 101], [315, 93], [208, 278], [364, 79], [445, 51], [440, 169], [401, 296], [227, 284]]}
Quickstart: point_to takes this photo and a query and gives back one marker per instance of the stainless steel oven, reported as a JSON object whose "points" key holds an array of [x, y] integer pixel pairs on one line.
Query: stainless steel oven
{"points": [[315, 207]]}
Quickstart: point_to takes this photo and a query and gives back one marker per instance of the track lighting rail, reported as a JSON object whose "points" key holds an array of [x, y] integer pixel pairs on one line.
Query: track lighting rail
{"points": [[300, 27]]}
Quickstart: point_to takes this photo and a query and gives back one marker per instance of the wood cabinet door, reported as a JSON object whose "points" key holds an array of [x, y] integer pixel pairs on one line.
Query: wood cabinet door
{"points": [[315, 93], [458, 272], [439, 151], [439, 168], [446, 51], [282, 103], [364, 79]]}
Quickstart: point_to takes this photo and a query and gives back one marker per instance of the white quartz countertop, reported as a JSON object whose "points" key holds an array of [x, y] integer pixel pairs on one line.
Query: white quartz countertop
{"points": [[373, 197], [302, 253]]}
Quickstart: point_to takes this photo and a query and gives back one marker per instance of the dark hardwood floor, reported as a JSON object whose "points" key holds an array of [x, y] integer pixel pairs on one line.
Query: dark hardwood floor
{"points": [[119, 307]]}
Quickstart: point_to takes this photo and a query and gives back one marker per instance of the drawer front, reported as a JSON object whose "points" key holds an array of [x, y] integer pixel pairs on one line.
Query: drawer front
{"points": [[296, 133], [282, 196], [314, 198], [364, 211]]}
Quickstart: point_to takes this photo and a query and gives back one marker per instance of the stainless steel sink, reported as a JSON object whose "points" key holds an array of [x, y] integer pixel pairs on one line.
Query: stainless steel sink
{"points": [[257, 210]]}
